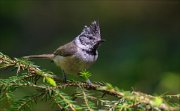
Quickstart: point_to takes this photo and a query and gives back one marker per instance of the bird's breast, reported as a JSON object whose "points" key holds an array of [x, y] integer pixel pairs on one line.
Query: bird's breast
{"points": [[75, 63]]}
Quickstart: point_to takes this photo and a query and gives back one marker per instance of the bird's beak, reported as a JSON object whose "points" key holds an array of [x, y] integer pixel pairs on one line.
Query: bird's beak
{"points": [[101, 41]]}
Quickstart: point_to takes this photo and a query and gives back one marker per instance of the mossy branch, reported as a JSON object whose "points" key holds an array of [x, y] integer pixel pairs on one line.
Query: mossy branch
{"points": [[52, 89]]}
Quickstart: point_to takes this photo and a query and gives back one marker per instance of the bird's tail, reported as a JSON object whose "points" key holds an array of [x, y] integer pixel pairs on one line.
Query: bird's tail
{"points": [[42, 56]]}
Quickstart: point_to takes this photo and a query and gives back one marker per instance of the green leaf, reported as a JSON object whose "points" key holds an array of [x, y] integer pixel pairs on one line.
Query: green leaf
{"points": [[85, 74], [157, 101], [50, 81]]}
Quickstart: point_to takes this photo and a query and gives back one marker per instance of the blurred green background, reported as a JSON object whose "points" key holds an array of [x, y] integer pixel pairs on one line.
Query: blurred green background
{"points": [[142, 48]]}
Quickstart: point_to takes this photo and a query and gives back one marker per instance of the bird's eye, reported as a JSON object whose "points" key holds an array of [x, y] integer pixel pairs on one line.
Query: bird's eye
{"points": [[91, 38]]}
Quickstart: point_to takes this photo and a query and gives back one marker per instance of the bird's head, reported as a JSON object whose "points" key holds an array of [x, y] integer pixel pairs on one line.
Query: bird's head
{"points": [[90, 37]]}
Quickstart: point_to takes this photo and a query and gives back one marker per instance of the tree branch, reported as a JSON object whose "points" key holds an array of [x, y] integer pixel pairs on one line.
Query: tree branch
{"points": [[33, 70]]}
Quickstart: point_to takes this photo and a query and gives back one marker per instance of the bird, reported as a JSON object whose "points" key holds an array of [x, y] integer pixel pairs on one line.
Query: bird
{"points": [[78, 54]]}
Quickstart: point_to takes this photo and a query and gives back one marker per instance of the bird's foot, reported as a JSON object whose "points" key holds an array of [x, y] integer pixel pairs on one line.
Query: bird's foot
{"points": [[64, 77], [89, 82]]}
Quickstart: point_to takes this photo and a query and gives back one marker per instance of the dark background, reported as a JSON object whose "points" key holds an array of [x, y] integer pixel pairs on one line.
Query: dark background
{"points": [[142, 48]]}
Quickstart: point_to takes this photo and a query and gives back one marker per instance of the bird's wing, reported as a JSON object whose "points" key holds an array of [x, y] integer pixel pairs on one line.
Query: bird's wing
{"points": [[66, 50]]}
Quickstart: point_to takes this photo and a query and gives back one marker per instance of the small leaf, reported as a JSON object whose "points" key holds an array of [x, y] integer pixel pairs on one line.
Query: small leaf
{"points": [[85, 74], [50, 81], [157, 101], [44, 79]]}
